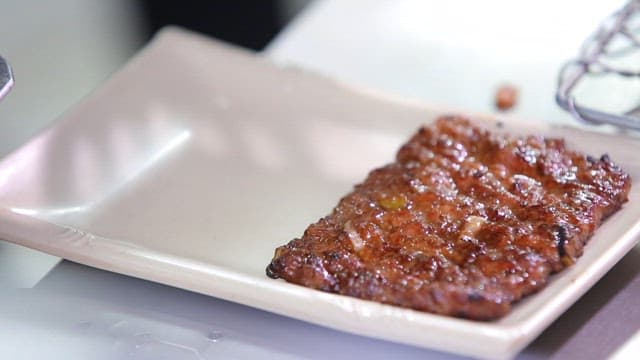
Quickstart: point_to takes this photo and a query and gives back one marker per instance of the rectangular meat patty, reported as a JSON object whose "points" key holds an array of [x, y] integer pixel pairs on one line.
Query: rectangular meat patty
{"points": [[464, 223]]}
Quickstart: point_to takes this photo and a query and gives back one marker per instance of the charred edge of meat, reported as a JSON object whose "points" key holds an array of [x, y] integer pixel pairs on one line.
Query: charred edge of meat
{"points": [[605, 158], [272, 272], [561, 236], [591, 159]]}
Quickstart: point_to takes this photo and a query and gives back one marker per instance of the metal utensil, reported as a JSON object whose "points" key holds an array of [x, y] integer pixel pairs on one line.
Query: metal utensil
{"points": [[6, 78], [617, 37]]}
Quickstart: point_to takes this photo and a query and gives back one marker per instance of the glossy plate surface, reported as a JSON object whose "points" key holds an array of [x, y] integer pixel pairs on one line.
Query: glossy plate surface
{"points": [[190, 165]]}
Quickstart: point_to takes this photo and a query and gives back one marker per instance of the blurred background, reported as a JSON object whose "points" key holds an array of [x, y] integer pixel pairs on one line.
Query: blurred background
{"points": [[444, 52], [60, 51]]}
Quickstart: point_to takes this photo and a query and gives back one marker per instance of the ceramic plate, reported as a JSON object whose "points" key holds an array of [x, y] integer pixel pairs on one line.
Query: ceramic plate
{"points": [[191, 164]]}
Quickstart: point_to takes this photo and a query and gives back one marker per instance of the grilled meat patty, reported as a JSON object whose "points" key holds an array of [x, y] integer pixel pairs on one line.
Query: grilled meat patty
{"points": [[463, 223]]}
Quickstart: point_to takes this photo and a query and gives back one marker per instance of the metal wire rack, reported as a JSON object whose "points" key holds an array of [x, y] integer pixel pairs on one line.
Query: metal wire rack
{"points": [[6, 78], [617, 37]]}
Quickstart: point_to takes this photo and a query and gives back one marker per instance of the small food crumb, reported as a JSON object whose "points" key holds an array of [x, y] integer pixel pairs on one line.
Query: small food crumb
{"points": [[472, 226], [506, 97], [354, 236], [393, 202]]}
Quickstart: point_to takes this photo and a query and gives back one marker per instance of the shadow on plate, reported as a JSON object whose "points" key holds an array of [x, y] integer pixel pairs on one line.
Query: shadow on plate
{"points": [[591, 329]]}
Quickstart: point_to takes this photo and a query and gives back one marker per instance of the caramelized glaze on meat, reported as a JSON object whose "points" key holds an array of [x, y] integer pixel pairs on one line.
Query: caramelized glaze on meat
{"points": [[464, 223]]}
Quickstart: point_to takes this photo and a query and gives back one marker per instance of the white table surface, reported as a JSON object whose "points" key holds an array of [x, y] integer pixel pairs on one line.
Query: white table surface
{"points": [[424, 49]]}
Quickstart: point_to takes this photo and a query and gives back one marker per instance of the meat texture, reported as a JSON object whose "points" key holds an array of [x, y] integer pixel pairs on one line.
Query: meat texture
{"points": [[464, 223]]}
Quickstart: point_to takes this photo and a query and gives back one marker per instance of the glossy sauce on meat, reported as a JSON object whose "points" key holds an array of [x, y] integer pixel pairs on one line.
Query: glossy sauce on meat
{"points": [[464, 223]]}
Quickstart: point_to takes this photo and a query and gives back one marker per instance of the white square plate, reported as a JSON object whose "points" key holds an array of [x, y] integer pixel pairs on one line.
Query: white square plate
{"points": [[190, 165]]}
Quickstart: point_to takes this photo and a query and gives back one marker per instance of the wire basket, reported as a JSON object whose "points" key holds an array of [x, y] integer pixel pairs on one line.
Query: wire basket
{"points": [[602, 54], [6, 78]]}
